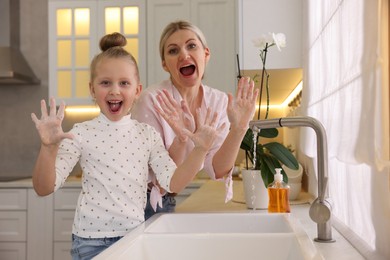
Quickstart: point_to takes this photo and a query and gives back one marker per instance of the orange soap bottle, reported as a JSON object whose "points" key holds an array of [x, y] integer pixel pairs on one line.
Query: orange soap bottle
{"points": [[278, 192]]}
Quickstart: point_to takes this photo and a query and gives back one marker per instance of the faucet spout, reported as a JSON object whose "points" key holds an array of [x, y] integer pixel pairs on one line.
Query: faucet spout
{"points": [[320, 210]]}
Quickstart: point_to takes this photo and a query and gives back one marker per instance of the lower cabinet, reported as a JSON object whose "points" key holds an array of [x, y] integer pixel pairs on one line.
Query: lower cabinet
{"points": [[13, 224], [12, 250], [36, 228], [64, 208]]}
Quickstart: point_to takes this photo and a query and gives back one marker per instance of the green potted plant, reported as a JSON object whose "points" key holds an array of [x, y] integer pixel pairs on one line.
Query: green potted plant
{"points": [[267, 156]]}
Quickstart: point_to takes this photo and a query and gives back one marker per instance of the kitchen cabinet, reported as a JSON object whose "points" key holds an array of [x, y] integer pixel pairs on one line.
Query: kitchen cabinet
{"points": [[65, 201], [75, 29], [257, 17], [220, 34], [13, 223], [34, 227]]}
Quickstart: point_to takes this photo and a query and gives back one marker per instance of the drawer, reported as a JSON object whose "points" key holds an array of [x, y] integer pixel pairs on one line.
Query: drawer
{"points": [[63, 221], [13, 199], [13, 225], [66, 198], [61, 250], [13, 251]]}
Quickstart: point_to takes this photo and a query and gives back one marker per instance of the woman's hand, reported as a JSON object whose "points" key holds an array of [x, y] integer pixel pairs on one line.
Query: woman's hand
{"points": [[49, 125], [206, 130], [241, 109], [178, 116]]}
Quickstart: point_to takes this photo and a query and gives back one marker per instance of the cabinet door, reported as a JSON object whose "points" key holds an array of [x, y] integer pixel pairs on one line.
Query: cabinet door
{"points": [[66, 198], [13, 199], [13, 225], [12, 251], [63, 221], [62, 250], [159, 14], [75, 29], [72, 45], [221, 71]]}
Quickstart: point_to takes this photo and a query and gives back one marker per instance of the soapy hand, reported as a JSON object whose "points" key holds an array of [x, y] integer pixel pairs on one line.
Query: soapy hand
{"points": [[206, 130], [49, 125], [178, 116], [241, 109]]}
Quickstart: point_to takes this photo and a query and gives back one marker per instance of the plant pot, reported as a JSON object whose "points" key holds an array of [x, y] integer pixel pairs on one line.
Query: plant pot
{"points": [[255, 192]]}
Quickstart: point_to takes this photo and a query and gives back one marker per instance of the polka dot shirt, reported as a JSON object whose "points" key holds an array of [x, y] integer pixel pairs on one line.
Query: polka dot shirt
{"points": [[115, 158]]}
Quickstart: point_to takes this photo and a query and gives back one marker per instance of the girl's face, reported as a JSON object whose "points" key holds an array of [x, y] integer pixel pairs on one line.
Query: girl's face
{"points": [[185, 58], [115, 87]]}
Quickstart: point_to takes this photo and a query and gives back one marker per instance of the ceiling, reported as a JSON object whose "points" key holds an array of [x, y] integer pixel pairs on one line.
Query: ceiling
{"points": [[281, 83]]}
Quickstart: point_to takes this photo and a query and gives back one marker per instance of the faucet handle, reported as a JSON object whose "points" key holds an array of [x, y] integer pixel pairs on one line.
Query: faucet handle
{"points": [[320, 211]]}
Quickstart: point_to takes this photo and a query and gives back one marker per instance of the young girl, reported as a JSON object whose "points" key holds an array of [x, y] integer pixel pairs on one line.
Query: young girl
{"points": [[115, 153]]}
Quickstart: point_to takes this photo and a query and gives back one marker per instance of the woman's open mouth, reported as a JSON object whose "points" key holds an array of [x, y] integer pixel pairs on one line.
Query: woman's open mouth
{"points": [[114, 106], [187, 70]]}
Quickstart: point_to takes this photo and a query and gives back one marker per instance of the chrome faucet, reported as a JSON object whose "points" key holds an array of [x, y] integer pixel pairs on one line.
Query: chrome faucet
{"points": [[320, 209]]}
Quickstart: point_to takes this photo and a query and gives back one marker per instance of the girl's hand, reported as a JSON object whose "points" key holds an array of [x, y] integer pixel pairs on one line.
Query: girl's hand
{"points": [[178, 116], [241, 109], [206, 130], [49, 125]]}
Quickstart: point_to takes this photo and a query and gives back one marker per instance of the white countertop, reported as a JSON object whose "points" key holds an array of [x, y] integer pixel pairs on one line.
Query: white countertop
{"points": [[210, 198]]}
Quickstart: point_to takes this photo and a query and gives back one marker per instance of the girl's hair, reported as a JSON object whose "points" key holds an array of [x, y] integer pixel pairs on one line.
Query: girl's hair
{"points": [[112, 47], [176, 26]]}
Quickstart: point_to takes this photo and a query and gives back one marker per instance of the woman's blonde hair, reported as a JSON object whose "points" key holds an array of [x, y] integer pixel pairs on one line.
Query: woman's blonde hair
{"points": [[176, 26], [111, 46]]}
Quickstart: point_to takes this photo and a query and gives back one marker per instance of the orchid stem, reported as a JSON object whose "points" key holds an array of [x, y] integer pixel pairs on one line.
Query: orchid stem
{"points": [[263, 59]]}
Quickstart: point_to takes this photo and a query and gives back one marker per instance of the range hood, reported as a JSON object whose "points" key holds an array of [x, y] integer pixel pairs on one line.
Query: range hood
{"points": [[14, 68]]}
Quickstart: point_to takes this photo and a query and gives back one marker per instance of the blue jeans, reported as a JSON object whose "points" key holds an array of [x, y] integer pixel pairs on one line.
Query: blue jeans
{"points": [[168, 205], [87, 248]]}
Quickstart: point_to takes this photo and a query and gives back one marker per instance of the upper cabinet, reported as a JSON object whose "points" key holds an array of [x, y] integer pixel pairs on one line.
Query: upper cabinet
{"points": [[259, 17], [75, 29], [218, 21]]}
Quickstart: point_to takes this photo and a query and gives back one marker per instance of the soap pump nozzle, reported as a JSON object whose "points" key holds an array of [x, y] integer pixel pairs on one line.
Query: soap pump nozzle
{"points": [[278, 177]]}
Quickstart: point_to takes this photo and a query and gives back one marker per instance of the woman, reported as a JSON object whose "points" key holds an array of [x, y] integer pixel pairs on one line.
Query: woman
{"points": [[184, 55]]}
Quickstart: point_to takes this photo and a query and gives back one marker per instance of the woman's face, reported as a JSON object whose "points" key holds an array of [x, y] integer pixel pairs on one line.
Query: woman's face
{"points": [[115, 87], [185, 58]]}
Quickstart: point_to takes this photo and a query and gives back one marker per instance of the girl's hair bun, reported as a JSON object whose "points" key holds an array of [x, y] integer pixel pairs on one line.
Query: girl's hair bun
{"points": [[112, 40]]}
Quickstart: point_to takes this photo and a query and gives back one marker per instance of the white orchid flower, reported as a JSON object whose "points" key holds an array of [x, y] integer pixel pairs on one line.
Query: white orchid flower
{"points": [[263, 40], [279, 40]]}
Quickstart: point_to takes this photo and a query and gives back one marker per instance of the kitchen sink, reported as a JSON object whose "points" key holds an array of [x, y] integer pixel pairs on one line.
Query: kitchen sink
{"points": [[217, 223], [210, 236]]}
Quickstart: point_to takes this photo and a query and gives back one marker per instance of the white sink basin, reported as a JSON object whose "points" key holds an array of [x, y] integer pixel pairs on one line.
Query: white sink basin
{"points": [[212, 236], [220, 223]]}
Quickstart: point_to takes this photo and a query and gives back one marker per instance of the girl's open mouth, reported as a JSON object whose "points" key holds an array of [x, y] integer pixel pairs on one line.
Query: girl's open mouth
{"points": [[114, 106]]}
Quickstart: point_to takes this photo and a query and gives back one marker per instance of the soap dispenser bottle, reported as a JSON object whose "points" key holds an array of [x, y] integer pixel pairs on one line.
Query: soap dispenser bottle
{"points": [[278, 192]]}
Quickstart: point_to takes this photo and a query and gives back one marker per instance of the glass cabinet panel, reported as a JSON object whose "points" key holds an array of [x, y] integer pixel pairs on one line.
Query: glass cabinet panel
{"points": [[132, 47], [82, 84], [64, 22], [82, 53], [82, 21], [112, 19], [130, 20], [64, 86], [64, 55]]}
